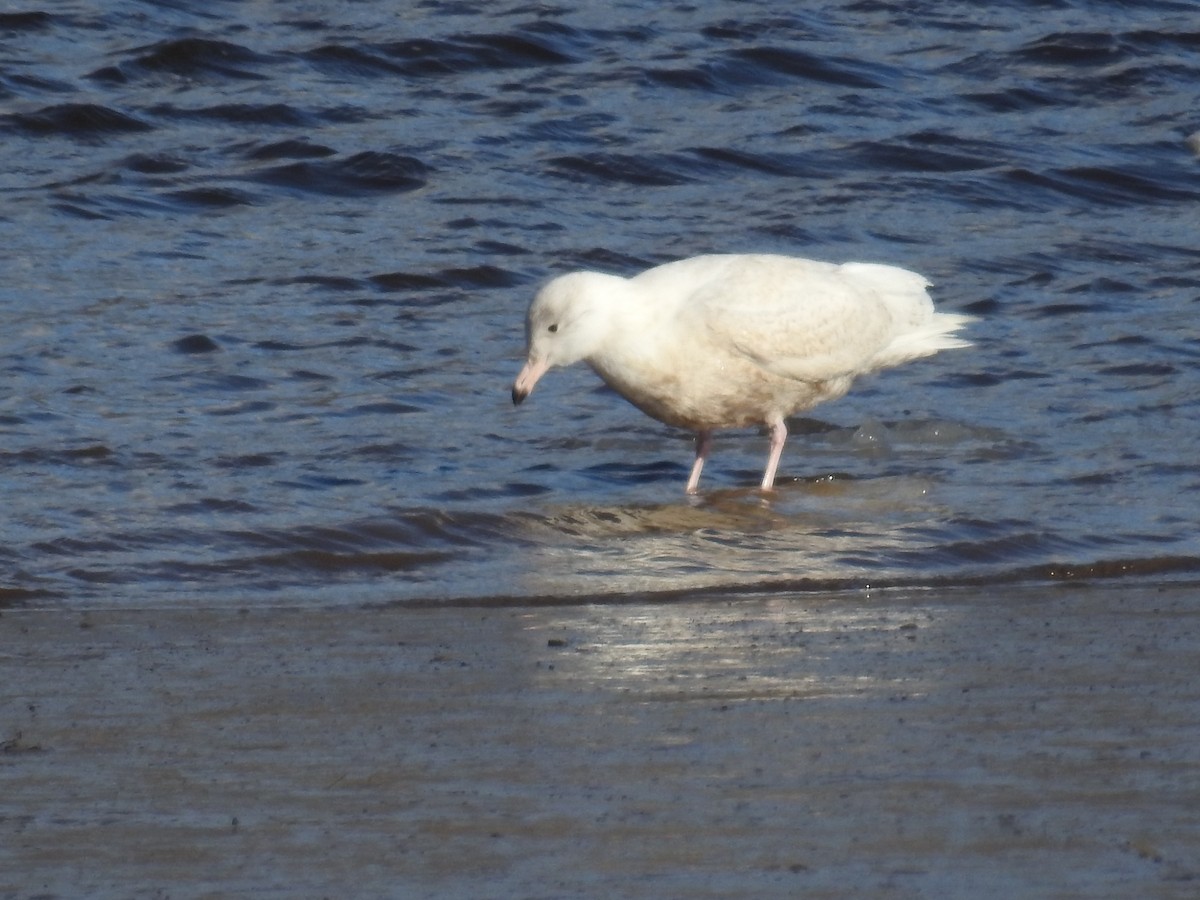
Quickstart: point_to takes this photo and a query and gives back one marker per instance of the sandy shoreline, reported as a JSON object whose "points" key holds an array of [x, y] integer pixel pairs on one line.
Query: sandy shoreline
{"points": [[1022, 742]]}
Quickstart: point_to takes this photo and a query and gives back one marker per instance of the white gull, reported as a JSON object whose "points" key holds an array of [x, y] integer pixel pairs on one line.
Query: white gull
{"points": [[734, 340]]}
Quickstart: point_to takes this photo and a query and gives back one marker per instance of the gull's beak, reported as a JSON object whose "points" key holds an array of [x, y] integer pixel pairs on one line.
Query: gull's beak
{"points": [[527, 378]]}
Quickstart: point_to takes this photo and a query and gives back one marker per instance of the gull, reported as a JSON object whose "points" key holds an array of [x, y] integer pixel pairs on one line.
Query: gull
{"points": [[734, 340]]}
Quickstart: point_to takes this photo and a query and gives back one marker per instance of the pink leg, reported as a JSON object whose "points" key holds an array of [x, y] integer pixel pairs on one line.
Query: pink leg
{"points": [[703, 445], [778, 436]]}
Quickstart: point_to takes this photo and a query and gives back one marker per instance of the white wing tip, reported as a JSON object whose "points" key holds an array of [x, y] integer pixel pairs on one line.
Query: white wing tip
{"points": [[933, 337]]}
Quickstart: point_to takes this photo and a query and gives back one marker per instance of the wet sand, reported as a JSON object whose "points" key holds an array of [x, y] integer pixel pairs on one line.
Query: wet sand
{"points": [[1019, 742]]}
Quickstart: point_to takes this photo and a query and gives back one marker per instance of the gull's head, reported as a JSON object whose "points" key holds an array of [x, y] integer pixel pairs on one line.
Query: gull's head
{"points": [[565, 324]]}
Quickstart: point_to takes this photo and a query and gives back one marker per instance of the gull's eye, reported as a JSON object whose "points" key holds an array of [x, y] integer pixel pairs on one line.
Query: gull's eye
{"points": [[553, 329]]}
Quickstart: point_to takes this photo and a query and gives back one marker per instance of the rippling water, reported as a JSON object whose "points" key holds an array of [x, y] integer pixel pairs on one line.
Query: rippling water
{"points": [[266, 266]]}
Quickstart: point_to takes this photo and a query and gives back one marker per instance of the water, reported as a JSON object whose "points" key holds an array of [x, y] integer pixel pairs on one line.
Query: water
{"points": [[266, 266]]}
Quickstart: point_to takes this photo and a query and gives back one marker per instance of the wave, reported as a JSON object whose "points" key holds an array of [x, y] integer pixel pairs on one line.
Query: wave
{"points": [[1107, 186], [639, 170], [730, 545], [33, 20], [363, 173], [467, 277], [1152, 569], [735, 70], [78, 120], [257, 114], [423, 58], [191, 57]]}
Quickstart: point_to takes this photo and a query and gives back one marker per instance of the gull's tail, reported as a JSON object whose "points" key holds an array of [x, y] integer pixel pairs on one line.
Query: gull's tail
{"points": [[938, 333]]}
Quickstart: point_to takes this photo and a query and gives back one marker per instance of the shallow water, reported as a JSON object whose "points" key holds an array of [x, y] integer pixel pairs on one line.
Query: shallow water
{"points": [[266, 267]]}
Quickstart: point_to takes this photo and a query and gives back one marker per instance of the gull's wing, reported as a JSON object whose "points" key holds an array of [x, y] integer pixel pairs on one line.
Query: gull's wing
{"points": [[806, 320]]}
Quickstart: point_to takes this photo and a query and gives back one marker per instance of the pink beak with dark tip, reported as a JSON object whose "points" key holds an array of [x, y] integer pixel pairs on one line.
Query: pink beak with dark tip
{"points": [[527, 378]]}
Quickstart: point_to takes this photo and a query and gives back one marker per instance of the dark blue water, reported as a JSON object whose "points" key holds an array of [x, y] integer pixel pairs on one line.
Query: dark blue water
{"points": [[265, 268]]}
